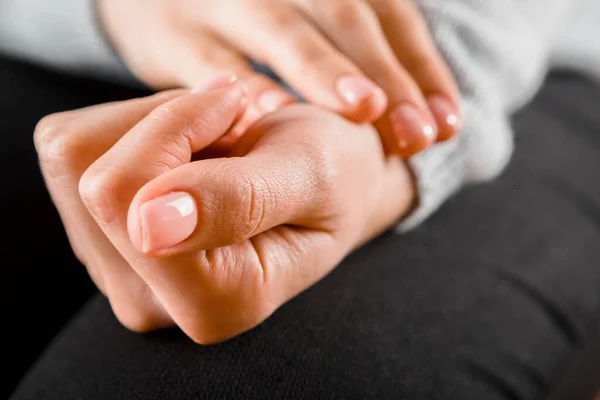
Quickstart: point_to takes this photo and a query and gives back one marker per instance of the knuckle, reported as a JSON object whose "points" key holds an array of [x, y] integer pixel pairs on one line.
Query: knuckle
{"points": [[274, 19], [165, 113], [311, 57], [174, 150], [327, 167], [422, 61], [323, 154], [47, 129], [217, 328], [343, 14], [247, 194], [136, 308], [136, 319], [57, 144], [288, 28], [99, 192], [203, 336]]}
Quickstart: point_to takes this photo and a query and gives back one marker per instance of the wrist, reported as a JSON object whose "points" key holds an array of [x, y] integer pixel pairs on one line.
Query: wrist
{"points": [[398, 197]]}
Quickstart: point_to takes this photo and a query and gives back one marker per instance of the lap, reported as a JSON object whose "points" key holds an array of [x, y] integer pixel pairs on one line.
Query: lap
{"points": [[488, 299]]}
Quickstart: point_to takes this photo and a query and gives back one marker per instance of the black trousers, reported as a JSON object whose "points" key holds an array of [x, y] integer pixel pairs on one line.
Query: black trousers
{"points": [[493, 298]]}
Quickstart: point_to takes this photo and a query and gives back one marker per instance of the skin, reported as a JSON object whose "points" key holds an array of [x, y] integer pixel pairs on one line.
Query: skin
{"points": [[300, 190], [311, 44]]}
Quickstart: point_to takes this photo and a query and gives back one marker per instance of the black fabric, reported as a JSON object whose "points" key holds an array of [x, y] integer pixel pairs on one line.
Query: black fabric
{"points": [[42, 283], [492, 298]]}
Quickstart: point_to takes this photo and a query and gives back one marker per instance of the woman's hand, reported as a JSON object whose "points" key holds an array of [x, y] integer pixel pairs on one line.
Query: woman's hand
{"points": [[364, 59], [216, 245]]}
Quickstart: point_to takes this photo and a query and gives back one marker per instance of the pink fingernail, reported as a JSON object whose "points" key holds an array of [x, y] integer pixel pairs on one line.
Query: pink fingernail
{"points": [[414, 132], [167, 220], [272, 100], [356, 89], [446, 115], [217, 82]]}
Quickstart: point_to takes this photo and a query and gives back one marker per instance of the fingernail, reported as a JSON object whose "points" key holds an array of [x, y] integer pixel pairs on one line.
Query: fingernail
{"points": [[217, 82], [167, 220], [446, 115], [414, 132], [356, 89], [272, 100]]}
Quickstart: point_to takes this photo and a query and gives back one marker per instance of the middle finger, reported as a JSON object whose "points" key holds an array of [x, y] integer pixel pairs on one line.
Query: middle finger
{"points": [[354, 28]]}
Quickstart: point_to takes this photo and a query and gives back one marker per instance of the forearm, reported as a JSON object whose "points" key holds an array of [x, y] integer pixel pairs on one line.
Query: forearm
{"points": [[62, 34], [498, 51]]}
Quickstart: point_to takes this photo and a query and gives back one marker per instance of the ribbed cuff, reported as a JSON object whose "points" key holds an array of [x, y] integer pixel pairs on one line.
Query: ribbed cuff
{"points": [[479, 153], [439, 173]]}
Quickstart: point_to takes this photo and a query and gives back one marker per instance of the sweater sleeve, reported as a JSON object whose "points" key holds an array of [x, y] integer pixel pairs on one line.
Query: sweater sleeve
{"points": [[498, 51], [62, 34]]}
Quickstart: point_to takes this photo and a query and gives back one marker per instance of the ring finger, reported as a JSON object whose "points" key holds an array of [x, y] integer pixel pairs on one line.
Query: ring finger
{"points": [[354, 28], [410, 38]]}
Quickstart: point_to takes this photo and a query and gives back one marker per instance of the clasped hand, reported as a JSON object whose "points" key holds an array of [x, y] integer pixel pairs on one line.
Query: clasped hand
{"points": [[214, 245]]}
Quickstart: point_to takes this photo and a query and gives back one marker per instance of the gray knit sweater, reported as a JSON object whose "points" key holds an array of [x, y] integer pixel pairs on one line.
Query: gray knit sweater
{"points": [[499, 51]]}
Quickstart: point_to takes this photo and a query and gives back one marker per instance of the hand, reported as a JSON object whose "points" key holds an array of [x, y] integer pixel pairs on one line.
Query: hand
{"points": [[336, 54], [216, 245]]}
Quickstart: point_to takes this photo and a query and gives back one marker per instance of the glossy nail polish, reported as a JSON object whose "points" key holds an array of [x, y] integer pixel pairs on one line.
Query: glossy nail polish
{"points": [[167, 220], [446, 116], [413, 130], [357, 89]]}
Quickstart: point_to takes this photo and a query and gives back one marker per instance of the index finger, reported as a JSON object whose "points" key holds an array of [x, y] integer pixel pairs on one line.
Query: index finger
{"points": [[163, 140]]}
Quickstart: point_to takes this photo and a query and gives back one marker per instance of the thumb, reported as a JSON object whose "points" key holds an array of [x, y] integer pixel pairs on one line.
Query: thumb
{"points": [[218, 202]]}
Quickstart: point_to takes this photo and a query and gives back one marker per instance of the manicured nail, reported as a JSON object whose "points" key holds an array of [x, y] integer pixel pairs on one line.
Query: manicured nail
{"points": [[414, 132], [167, 220], [356, 89], [446, 116], [217, 82], [272, 100]]}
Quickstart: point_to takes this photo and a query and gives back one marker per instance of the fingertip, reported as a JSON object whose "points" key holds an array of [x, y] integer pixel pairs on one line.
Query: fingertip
{"points": [[217, 82], [364, 100], [228, 85], [230, 98], [406, 150], [371, 109], [447, 116], [378, 103], [413, 130]]}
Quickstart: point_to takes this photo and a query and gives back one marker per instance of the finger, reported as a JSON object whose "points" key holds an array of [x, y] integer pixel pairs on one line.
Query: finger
{"points": [[355, 29], [208, 56], [67, 143], [203, 57], [219, 202], [164, 140], [411, 40], [264, 97], [282, 38]]}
